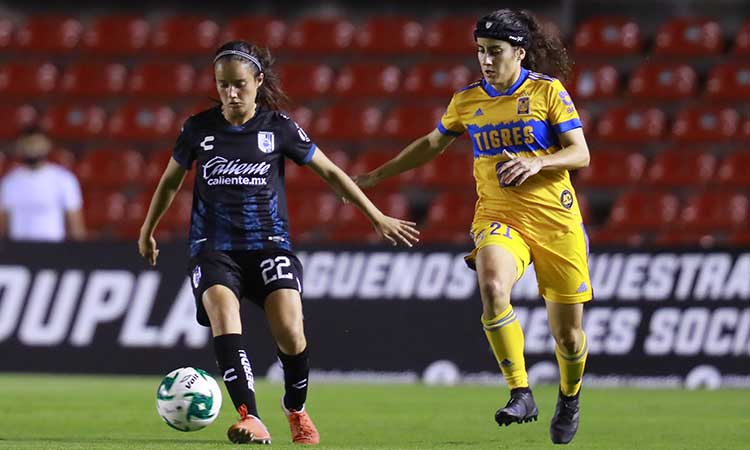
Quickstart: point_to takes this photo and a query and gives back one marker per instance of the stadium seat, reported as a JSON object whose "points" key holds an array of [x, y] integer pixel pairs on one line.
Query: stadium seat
{"points": [[17, 119], [26, 79], [733, 170], [103, 208], [452, 210], [63, 157], [352, 225], [185, 35], [663, 81], [264, 31], [48, 33], [593, 82], [739, 238], [74, 122], [451, 170], [347, 121], [438, 80], [677, 167], [93, 79], [689, 37], [7, 29], [116, 35], [368, 80], [321, 35], [308, 211], [744, 131], [177, 218], [705, 123], [729, 82], [161, 80], [451, 35], [153, 168], [608, 36], [716, 210], [109, 168], [584, 206], [742, 40], [685, 239], [304, 118], [632, 124], [604, 236], [302, 81], [303, 178], [641, 211], [412, 120], [389, 35], [370, 160], [204, 84], [613, 168], [143, 122]]}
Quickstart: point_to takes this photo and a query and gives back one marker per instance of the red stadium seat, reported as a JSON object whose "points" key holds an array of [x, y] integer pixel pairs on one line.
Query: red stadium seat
{"points": [[453, 169], [742, 40], [716, 210], [161, 79], [368, 80], [744, 131], [311, 210], [205, 82], [389, 35], [177, 218], [608, 36], [142, 122], [729, 82], [63, 157], [93, 79], [305, 80], [632, 124], [153, 167], [352, 225], [604, 236], [109, 168], [303, 178], [24, 79], [410, 121], [103, 208], [643, 211], [689, 37], [53, 34], [584, 206], [74, 122], [593, 82], [17, 119], [588, 120], [612, 169], [451, 35], [321, 35], [452, 210], [663, 81], [303, 116], [185, 35], [436, 79], [705, 123], [116, 35], [347, 121], [685, 239], [733, 169], [739, 238], [370, 160], [264, 31], [677, 167], [7, 28]]}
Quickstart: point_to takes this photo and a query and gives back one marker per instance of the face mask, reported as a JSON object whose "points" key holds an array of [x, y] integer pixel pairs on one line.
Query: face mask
{"points": [[32, 161]]}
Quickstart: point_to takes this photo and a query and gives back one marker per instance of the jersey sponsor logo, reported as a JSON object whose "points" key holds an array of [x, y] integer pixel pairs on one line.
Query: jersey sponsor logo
{"points": [[221, 171], [266, 142], [565, 98], [524, 106], [205, 143], [566, 199]]}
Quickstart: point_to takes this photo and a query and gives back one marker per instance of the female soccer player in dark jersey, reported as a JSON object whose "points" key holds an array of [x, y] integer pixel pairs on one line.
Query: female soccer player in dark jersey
{"points": [[526, 135], [239, 239]]}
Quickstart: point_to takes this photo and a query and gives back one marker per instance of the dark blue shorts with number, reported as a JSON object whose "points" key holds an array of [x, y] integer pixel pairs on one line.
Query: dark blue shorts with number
{"points": [[248, 274]]}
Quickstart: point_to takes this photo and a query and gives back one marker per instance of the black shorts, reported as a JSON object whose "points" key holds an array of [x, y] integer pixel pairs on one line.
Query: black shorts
{"points": [[251, 274]]}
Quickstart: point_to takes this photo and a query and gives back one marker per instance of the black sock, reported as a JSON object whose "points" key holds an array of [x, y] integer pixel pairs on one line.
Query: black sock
{"points": [[238, 376], [296, 371]]}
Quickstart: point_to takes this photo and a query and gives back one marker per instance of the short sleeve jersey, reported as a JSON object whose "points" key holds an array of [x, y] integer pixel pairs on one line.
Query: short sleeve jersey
{"points": [[239, 201]]}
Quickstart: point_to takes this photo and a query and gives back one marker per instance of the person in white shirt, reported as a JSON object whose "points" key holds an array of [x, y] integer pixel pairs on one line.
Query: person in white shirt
{"points": [[39, 200]]}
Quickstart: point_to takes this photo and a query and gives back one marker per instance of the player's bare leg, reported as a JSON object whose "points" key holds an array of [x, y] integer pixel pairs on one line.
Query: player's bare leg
{"points": [[565, 323]]}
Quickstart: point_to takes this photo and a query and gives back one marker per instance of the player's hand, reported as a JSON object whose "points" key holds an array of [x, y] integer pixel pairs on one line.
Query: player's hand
{"points": [[365, 181], [517, 170], [397, 231], [147, 248]]}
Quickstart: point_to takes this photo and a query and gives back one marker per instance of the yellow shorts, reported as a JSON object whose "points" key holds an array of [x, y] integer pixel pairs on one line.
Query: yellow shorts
{"points": [[561, 265]]}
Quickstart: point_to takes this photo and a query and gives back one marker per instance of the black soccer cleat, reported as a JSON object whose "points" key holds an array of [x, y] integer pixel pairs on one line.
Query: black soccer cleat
{"points": [[564, 423], [521, 408]]}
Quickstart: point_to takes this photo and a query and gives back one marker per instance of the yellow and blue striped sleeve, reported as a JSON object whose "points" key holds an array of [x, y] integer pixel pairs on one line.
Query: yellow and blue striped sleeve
{"points": [[562, 113], [450, 124]]}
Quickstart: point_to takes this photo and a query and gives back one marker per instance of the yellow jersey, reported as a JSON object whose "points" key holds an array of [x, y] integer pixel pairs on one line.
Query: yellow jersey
{"points": [[525, 121]]}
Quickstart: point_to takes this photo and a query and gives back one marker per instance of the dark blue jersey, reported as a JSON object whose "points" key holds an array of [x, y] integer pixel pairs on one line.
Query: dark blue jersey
{"points": [[239, 201]]}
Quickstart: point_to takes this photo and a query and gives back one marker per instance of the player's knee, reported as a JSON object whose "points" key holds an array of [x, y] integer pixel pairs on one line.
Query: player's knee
{"points": [[495, 296], [569, 339], [291, 340]]}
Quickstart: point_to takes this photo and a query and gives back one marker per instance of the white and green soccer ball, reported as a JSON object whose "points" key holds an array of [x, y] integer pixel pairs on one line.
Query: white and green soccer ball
{"points": [[188, 399]]}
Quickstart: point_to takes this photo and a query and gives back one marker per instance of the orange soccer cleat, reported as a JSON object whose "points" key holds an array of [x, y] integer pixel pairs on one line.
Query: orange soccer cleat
{"points": [[249, 430], [301, 425]]}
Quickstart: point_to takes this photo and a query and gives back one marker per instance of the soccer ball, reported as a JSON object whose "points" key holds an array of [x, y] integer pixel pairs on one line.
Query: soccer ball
{"points": [[188, 399]]}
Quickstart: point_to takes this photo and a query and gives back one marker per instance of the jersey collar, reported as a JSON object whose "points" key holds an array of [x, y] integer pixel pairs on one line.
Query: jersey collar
{"points": [[492, 92]]}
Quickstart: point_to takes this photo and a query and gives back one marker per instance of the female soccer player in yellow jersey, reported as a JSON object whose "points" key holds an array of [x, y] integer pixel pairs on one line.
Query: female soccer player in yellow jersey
{"points": [[526, 135]]}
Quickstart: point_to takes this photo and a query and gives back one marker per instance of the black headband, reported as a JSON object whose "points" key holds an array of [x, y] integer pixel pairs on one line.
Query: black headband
{"points": [[495, 30]]}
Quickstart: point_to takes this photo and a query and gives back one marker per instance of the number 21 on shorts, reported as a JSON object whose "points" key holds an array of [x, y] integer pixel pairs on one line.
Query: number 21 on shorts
{"points": [[497, 229]]}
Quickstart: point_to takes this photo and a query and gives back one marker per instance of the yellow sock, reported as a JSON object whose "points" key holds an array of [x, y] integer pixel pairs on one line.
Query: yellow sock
{"points": [[571, 368], [506, 339]]}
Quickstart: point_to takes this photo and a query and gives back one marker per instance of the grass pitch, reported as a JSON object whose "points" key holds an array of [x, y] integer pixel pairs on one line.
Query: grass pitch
{"points": [[90, 413]]}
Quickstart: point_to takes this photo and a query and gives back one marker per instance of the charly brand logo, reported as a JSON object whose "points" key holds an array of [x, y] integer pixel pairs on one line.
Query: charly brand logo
{"points": [[205, 143], [266, 141], [221, 171]]}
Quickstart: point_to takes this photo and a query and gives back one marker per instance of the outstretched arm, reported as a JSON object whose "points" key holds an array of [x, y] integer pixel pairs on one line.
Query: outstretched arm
{"points": [[170, 183], [392, 229]]}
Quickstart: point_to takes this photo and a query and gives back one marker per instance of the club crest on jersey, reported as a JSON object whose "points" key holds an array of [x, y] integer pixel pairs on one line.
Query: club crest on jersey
{"points": [[524, 106], [566, 199], [196, 276], [266, 141]]}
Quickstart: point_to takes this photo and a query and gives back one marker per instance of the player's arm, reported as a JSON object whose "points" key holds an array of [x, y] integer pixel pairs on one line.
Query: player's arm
{"points": [[416, 154], [395, 230], [3, 224], [74, 225], [170, 183]]}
